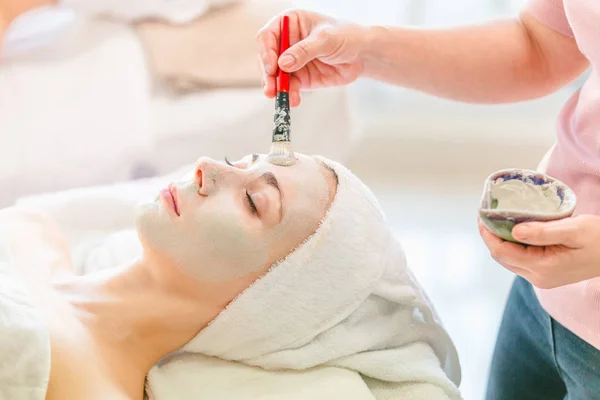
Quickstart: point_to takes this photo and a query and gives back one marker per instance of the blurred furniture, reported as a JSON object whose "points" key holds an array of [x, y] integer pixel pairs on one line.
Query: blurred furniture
{"points": [[88, 109]]}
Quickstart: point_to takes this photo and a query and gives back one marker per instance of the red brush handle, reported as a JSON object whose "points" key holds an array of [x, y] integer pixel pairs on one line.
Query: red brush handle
{"points": [[283, 78]]}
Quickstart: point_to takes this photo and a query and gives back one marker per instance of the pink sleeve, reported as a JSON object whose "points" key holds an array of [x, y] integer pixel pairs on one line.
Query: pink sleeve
{"points": [[550, 13]]}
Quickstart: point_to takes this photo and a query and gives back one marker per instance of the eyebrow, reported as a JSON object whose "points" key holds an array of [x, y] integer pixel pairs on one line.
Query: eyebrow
{"points": [[271, 180], [330, 169]]}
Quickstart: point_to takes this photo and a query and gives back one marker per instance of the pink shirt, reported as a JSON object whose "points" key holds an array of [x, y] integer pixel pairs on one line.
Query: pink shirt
{"points": [[575, 159]]}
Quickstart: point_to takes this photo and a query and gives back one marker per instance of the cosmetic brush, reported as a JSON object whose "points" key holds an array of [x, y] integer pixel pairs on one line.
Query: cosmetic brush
{"points": [[281, 147]]}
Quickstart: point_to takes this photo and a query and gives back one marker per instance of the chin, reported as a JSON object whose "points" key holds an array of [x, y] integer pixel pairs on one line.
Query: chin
{"points": [[145, 210], [147, 219]]}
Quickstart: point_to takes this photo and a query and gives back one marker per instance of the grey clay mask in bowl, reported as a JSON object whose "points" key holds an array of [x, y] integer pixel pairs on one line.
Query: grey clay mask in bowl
{"points": [[514, 196]]}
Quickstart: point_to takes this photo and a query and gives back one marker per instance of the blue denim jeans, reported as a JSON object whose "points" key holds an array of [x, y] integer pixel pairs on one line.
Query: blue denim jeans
{"points": [[536, 358]]}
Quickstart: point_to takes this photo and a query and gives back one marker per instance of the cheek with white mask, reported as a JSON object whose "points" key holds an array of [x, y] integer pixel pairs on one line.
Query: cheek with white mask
{"points": [[212, 239]]}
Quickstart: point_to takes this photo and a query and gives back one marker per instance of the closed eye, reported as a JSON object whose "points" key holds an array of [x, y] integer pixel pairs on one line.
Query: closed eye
{"points": [[251, 203], [248, 198]]}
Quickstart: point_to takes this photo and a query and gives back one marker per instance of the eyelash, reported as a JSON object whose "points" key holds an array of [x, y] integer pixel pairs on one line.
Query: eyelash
{"points": [[254, 159], [250, 202]]}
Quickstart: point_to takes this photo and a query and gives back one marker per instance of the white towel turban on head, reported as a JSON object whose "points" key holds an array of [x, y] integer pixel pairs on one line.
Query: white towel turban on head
{"points": [[343, 298]]}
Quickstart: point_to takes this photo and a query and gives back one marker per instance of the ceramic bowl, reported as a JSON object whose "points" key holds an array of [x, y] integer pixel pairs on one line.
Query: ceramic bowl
{"points": [[502, 221]]}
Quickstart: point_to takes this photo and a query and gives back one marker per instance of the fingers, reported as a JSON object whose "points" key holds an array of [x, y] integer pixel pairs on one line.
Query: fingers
{"points": [[268, 45], [516, 270], [267, 81], [536, 264], [303, 49], [488, 237], [269, 87], [295, 86], [269, 61], [268, 48], [268, 37], [318, 43], [564, 253], [565, 232], [539, 281], [269, 84], [510, 254]]}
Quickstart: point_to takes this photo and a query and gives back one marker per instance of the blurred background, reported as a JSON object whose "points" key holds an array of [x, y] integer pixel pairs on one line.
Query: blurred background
{"points": [[95, 93]]}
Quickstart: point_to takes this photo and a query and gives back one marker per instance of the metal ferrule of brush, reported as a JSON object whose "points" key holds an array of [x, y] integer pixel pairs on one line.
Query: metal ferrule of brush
{"points": [[281, 127]]}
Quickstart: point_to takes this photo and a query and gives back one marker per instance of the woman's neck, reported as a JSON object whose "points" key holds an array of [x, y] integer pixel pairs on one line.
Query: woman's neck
{"points": [[130, 308]]}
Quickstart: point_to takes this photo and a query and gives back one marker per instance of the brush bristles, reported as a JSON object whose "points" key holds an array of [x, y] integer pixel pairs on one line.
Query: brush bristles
{"points": [[281, 154]]}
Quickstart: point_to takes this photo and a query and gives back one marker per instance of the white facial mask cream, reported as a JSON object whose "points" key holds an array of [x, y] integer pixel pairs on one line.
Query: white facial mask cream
{"points": [[216, 239], [515, 194], [212, 246]]}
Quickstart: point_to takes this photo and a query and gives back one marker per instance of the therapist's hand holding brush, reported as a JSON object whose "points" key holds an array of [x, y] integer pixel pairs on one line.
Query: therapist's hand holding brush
{"points": [[505, 61], [324, 52]]}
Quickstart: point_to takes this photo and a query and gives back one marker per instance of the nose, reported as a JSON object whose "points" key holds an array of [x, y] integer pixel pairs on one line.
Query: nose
{"points": [[210, 174], [202, 170]]}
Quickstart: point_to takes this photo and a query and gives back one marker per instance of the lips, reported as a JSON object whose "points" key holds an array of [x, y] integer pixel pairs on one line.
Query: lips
{"points": [[173, 191], [170, 196]]}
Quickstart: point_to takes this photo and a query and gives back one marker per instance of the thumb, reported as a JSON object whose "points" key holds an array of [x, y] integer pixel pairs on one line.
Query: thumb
{"points": [[319, 43], [562, 232]]}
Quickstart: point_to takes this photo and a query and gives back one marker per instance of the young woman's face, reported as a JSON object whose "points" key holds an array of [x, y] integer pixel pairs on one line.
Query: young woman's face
{"points": [[229, 221]]}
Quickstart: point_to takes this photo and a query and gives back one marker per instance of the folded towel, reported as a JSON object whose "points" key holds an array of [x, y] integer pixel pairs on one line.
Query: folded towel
{"points": [[194, 376], [344, 298]]}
